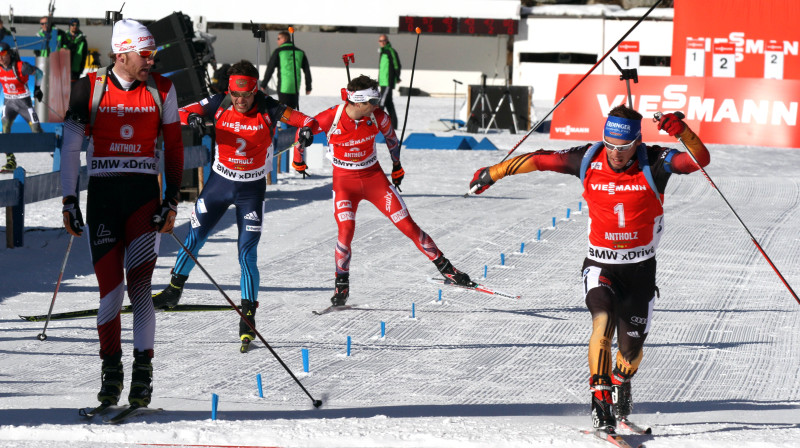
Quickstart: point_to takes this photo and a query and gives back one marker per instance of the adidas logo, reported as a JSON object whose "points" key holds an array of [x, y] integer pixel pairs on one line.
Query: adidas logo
{"points": [[252, 216]]}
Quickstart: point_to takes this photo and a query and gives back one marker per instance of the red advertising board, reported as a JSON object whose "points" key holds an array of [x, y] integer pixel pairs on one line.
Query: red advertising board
{"points": [[735, 111], [747, 24]]}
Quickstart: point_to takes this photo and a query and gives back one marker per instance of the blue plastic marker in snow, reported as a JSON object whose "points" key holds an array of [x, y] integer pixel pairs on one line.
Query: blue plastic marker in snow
{"points": [[214, 401], [485, 270], [502, 259], [580, 204], [568, 210], [554, 221], [305, 360], [539, 235], [522, 248], [413, 311], [440, 296], [260, 389], [383, 329], [348, 346]]}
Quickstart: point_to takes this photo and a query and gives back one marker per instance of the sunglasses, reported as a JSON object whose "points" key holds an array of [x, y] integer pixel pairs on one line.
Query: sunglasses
{"points": [[241, 94], [620, 148], [381, 40], [43, 23], [147, 54]]}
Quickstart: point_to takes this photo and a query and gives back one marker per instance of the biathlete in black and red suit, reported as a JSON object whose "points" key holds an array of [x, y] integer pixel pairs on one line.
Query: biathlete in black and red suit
{"points": [[245, 124], [351, 128], [624, 182], [122, 109]]}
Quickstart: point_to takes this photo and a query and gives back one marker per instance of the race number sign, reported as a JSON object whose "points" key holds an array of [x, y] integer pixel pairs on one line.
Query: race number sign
{"points": [[695, 57], [724, 60]]}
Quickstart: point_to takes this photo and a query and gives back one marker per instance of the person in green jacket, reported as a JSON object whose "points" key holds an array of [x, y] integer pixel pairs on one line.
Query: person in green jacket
{"points": [[290, 61], [75, 42], [46, 31], [388, 75]]}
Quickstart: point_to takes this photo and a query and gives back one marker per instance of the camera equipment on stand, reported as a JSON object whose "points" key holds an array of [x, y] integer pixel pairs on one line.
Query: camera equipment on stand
{"points": [[626, 75], [456, 83], [506, 96], [113, 17], [486, 106], [260, 36]]}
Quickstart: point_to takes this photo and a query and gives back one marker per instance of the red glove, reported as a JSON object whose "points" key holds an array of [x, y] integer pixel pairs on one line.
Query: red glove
{"points": [[482, 179], [671, 124]]}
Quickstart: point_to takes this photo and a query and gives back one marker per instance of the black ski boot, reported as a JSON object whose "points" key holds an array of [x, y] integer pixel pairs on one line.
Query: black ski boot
{"points": [[111, 379], [170, 296], [246, 334], [141, 379], [449, 272], [11, 164], [602, 403], [342, 290], [621, 395]]}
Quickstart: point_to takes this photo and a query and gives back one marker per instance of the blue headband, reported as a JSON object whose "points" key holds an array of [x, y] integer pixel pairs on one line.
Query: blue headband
{"points": [[622, 128]]}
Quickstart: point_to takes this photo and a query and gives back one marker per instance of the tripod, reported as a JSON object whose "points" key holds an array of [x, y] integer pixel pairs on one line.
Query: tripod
{"points": [[506, 96], [455, 85], [483, 99]]}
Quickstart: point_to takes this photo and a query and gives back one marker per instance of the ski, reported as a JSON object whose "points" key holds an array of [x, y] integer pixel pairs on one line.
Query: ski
{"points": [[610, 437], [130, 411], [128, 309], [477, 288], [628, 425], [99, 410], [332, 308]]}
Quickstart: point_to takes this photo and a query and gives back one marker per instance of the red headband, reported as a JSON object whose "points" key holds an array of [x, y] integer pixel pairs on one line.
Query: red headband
{"points": [[241, 83]]}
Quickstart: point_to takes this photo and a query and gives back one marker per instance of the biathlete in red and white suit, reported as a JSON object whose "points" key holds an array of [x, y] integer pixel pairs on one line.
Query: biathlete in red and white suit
{"points": [[351, 128], [624, 182], [14, 75], [245, 124], [122, 109]]}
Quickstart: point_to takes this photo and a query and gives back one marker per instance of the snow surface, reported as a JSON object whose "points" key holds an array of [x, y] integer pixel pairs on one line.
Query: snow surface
{"points": [[719, 369]]}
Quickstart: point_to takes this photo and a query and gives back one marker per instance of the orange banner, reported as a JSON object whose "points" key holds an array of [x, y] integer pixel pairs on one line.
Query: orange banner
{"points": [[735, 111], [750, 25]]}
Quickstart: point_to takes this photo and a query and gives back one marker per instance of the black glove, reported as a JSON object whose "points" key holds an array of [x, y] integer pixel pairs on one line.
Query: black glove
{"points": [[73, 219], [305, 137], [397, 175], [482, 180], [164, 219], [196, 122], [37, 93]]}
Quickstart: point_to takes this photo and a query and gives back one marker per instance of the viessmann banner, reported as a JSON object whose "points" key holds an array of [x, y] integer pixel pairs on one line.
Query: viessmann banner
{"points": [[753, 27], [734, 111]]}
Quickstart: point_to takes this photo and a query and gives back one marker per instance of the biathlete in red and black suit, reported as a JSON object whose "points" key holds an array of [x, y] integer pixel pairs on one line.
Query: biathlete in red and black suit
{"points": [[245, 122], [624, 182], [14, 75], [351, 128], [122, 109]]}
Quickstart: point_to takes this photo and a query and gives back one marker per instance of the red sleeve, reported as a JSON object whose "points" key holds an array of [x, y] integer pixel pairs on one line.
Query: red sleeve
{"points": [[194, 108], [173, 154], [682, 163], [385, 125], [298, 119]]}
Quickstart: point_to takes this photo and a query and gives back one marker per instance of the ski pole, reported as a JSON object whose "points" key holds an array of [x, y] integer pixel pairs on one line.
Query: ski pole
{"points": [[348, 58], [657, 117], [42, 336], [294, 69], [410, 85], [316, 403], [539, 123]]}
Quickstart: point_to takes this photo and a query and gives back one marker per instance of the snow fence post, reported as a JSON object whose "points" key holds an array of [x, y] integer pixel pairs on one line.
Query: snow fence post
{"points": [[214, 401]]}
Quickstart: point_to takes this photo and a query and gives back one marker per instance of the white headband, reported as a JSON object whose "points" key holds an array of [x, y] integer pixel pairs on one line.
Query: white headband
{"points": [[362, 96], [130, 35]]}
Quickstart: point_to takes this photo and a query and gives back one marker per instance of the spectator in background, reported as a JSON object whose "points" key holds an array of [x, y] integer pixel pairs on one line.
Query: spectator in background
{"points": [[3, 31], [75, 42], [47, 27], [388, 76], [290, 61], [219, 84]]}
